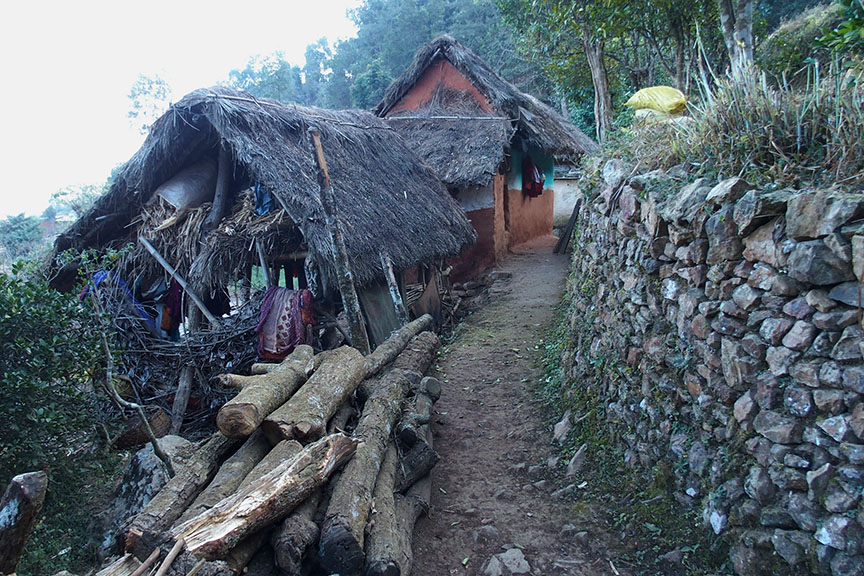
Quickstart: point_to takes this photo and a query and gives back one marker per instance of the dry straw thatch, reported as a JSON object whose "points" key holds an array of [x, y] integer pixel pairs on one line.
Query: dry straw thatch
{"points": [[388, 199], [535, 122]]}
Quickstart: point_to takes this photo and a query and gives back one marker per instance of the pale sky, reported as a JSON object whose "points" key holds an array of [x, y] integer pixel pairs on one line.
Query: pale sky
{"points": [[68, 66]]}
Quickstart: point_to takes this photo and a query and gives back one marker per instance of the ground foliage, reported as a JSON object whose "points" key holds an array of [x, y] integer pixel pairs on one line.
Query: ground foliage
{"points": [[47, 358]]}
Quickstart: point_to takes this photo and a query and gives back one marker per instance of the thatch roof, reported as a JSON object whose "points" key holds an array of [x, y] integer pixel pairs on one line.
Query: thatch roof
{"points": [[537, 124], [388, 199], [463, 153]]}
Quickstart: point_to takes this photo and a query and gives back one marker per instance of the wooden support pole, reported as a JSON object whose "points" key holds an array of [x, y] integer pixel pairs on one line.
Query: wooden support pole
{"points": [[344, 277], [180, 280], [19, 510], [398, 304], [265, 267], [223, 189]]}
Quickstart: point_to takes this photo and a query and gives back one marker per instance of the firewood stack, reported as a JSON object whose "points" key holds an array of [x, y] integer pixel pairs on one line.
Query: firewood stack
{"points": [[285, 484]]}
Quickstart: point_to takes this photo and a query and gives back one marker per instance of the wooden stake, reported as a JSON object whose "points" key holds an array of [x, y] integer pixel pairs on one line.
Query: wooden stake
{"points": [[175, 551], [180, 280], [181, 398], [387, 266], [145, 566], [359, 337], [265, 267]]}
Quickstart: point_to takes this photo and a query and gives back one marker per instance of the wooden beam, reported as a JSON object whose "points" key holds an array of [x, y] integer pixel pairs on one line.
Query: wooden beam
{"points": [[395, 294], [265, 267], [344, 277], [180, 280]]}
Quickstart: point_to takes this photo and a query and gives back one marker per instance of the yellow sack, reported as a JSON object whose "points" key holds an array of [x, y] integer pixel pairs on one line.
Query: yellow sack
{"points": [[660, 98]]}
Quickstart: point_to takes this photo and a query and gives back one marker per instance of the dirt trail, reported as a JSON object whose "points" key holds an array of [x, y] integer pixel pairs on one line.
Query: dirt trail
{"points": [[492, 489]]}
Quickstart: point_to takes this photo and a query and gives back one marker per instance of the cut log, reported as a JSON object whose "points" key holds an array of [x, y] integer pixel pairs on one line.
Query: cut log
{"points": [[414, 359], [294, 537], [416, 462], [135, 433], [285, 450], [409, 507], [380, 545], [304, 417], [393, 346], [261, 395], [230, 475], [339, 422], [181, 398], [19, 509], [259, 368], [127, 565], [170, 502], [416, 413], [213, 533], [342, 533], [242, 553]]}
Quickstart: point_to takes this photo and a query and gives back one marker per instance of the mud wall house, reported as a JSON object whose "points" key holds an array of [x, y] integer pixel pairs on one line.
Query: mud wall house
{"points": [[257, 202], [487, 141]]}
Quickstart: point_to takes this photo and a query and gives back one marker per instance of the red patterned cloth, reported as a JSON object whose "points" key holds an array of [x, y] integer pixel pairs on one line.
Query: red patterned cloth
{"points": [[283, 320]]}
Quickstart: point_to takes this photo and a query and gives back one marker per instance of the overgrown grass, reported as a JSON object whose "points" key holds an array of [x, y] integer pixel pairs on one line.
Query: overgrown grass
{"points": [[789, 134]]}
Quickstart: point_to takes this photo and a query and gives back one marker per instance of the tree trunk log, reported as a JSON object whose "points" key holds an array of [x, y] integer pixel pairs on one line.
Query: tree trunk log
{"points": [[381, 546], [284, 450], [259, 368], [393, 346], [595, 54], [261, 395], [19, 509], [296, 534], [416, 413], [232, 472], [416, 462], [304, 417], [223, 190], [416, 357], [341, 547], [170, 502], [214, 533], [126, 565], [339, 422], [181, 398]]}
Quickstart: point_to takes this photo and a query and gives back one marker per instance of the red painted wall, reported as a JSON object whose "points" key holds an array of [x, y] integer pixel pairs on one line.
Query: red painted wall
{"points": [[440, 73], [481, 255]]}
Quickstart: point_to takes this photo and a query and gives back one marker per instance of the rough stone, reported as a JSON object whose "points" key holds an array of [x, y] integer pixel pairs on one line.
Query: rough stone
{"points": [[745, 408], [760, 246], [856, 420], [858, 257], [834, 321], [780, 359], [514, 561], [803, 511], [814, 214], [819, 300], [790, 545], [806, 372], [813, 262], [852, 379], [758, 485], [746, 297], [829, 401], [823, 344], [723, 240], [688, 203], [817, 481], [776, 517], [838, 500], [777, 427], [798, 308], [768, 394], [728, 326], [562, 428], [798, 401], [730, 308], [615, 171], [753, 345], [847, 347], [831, 375], [774, 329], [763, 277], [849, 293], [837, 427], [628, 201], [737, 366], [839, 245], [846, 565], [728, 190], [800, 336], [574, 466], [834, 532]]}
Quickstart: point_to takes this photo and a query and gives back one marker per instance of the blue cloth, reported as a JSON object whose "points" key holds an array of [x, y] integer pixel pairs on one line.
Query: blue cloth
{"points": [[264, 203]]}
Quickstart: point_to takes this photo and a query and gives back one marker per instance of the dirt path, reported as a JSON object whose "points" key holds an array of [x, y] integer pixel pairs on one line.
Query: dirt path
{"points": [[493, 490]]}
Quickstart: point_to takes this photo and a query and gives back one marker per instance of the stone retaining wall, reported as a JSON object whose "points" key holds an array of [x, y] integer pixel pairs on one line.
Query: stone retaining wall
{"points": [[729, 325]]}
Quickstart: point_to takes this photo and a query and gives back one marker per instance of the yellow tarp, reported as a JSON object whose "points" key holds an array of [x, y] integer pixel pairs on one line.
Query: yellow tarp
{"points": [[660, 98]]}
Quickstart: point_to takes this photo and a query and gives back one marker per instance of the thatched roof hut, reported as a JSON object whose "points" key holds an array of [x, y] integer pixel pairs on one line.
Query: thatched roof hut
{"points": [[535, 122], [388, 199]]}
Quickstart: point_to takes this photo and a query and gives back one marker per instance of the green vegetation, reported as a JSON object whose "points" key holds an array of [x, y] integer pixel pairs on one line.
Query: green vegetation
{"points": [[47, 399], [790, 49], [20, 236]]}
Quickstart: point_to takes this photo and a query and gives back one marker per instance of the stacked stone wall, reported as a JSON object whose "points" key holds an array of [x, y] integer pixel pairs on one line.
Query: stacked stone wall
{"points": [[728, 323]]}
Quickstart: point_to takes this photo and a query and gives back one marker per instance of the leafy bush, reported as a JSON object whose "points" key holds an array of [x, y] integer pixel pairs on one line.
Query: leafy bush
{"points": [[47, 353], [790, 48], [848, 35]]}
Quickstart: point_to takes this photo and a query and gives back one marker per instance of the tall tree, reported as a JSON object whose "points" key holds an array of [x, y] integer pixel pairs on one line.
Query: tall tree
{"points": [[20, 236], [736, 20], [150, 98]]}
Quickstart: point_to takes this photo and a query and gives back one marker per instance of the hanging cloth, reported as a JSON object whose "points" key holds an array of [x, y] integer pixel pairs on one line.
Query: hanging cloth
{"points": [[285, 314], [533, 178]]}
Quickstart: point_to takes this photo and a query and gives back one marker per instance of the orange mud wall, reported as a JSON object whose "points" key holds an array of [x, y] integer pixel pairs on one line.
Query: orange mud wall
{"points": [[440, 74], [484, 208], [527, 218]]}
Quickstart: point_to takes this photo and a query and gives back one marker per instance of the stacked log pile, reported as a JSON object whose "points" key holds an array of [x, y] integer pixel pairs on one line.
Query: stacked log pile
{"points": [[284, 479]]}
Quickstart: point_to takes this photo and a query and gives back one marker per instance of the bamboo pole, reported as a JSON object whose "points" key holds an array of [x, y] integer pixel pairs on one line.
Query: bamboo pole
{"points": [[359, 337], [180, 280]]}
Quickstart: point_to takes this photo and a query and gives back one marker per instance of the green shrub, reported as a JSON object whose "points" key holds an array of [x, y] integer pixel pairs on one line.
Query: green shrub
{"points": [[789, 49], [47, 354]]}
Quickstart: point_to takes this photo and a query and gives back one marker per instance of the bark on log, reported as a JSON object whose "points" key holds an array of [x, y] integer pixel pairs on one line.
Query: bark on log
{"points": [[19, 509], [223, 190], [261, 395], [416, 358], [342, 534], [259, 368], [232, 472], [393, 346], [242, 553], [305, 415], [294, 537], [181, 398], [271, 498], [170, 502], [416, 413], [380, 546], [416, 462], [285, 450], [339, 421]]}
